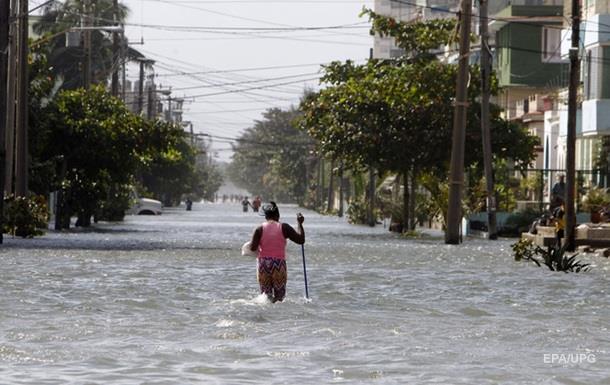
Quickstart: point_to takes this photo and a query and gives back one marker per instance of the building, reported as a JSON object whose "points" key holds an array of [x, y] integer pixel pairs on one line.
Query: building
{"points": [[412, 10], [528, 57], [594, 129]]}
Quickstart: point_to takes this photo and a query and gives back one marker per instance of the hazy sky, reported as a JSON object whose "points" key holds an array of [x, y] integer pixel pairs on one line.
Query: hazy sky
{"points": [[243, 34]]}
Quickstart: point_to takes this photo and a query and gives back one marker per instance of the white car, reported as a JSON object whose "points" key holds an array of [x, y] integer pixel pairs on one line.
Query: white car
{"points": [[146, 206]]}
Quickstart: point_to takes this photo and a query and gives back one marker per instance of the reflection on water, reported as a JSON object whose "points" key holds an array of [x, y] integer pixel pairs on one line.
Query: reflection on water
{"points": [[170, 299]]}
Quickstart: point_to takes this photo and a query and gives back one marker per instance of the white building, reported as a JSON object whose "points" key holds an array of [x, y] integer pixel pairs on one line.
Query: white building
{"points": [[384, 47], [595, 71]]}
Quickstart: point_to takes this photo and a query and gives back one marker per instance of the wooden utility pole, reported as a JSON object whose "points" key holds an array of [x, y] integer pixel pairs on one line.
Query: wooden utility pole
{"points": [[123, 65], [485, 121], [87, 44], [5, 9], [340, 214], [571, 140], [150, 102], [456, 176], [9, 170], [116, 57], [330, 205], [141, 88], [21, 136], [370, 216]]}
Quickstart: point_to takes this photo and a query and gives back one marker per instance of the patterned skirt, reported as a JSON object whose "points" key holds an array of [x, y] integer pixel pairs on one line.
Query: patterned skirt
{"points": [[272, 277]]}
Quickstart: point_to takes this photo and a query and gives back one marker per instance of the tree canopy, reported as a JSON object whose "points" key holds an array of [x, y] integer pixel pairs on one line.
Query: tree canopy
{"points": [[270, 157]]}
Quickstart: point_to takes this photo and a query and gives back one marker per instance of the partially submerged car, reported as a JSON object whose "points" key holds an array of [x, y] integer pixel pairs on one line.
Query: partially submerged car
{"points": [[145, 206]]}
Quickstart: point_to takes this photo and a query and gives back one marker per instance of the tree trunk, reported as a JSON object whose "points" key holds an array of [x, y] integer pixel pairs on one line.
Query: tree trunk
{"points": [[412, 201], [60, 205], [406, 198], [371, 196], [340, 214], [330, 205], [84, 219]]}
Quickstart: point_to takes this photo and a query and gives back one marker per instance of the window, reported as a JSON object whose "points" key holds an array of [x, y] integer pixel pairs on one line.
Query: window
{"points": [[551, 44]]}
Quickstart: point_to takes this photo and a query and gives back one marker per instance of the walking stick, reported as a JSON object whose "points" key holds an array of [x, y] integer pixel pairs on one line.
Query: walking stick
{"points": [[305, 272]]}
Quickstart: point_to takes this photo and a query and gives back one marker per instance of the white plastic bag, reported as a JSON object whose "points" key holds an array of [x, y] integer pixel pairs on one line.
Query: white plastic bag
{"points": [[245, 250]]}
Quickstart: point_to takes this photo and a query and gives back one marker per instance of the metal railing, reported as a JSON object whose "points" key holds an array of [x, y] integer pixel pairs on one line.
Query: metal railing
{"points": [[532, 188]]}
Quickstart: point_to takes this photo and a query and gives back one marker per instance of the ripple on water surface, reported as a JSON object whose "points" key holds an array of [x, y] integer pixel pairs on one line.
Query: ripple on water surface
{"points": [[170, 300]]}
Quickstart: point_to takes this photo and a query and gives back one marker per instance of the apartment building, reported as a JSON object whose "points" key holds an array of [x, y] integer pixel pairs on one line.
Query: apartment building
{"points": [[408, 10], [595, 76]]}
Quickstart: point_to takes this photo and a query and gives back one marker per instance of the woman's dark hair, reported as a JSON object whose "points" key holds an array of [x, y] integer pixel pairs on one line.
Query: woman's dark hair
{"points": [[271, 211]]}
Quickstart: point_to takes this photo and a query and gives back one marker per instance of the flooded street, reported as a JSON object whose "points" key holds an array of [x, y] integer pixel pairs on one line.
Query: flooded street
{"points": [[170, 300]]}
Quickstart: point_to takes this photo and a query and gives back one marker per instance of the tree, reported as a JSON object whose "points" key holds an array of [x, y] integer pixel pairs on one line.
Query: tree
{"points": [[396, 115], [66, 62], [270, 157], [175, 168], [96, 144]]}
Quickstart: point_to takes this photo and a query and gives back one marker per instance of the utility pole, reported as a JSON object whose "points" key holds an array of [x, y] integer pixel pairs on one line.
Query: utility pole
{"points": [[571, 140], [10, 96], [150, 102], [330, 205], [141, 88], [116, 57], [485, 121], [340, 214], [87, 44], [170, 113], [21, 137], [456, 176], [123, 64], [370, 218], [5, 9]]}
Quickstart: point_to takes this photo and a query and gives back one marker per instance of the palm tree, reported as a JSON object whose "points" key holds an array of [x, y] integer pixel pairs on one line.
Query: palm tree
{"points": [[67, 61]]}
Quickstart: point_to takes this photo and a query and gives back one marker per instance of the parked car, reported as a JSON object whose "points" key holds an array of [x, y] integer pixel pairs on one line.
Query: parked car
{"points": [[145, 206]]}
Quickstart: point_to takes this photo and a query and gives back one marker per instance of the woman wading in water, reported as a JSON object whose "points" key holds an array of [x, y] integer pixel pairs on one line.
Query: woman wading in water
{"points": [[269, 240]]}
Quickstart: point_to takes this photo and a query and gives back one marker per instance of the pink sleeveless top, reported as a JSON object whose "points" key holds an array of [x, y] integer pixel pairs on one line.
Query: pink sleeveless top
{"points": [[273, 243]]}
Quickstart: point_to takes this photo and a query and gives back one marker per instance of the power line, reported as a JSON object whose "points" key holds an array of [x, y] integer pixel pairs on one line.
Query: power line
{"points": [[244, 82], [172, 69], [250, 88], [235, 16], [267, 1], [241, 70]]}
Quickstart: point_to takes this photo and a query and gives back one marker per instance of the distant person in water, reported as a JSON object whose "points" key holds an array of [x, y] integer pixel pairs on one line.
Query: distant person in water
{"points": [[256, 203], [244, 204], [269, 240]]}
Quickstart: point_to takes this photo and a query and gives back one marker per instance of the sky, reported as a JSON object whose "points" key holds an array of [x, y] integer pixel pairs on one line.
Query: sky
{"points": [[233, 59]]}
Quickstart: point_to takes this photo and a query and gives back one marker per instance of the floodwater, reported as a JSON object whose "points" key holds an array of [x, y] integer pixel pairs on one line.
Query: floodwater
{"points": [[170, 300]]}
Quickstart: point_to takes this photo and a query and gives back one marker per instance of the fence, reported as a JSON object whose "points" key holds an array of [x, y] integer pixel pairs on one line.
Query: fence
{"points": [[532, 188]]}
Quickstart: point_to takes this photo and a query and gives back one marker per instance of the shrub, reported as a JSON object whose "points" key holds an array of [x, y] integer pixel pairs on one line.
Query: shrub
{"points": [[25, 216], [554, 258], [357, 212]]}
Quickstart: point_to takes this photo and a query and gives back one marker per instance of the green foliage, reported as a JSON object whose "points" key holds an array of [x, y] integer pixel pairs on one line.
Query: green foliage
{"points": [[173, 167], [271, 158], [25, 216], [113, 207], [418, 37], [91, 142], [397, 115], [357, 212], [555, 258], [437, 202], [595, 199], [524, 249], [56, 18]]}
